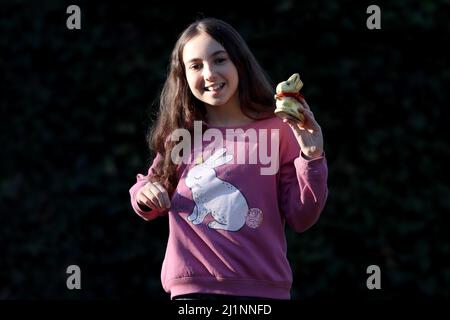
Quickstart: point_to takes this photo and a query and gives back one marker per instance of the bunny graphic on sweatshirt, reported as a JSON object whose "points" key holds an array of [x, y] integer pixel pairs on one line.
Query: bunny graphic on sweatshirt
{"points": [[226, 204]]}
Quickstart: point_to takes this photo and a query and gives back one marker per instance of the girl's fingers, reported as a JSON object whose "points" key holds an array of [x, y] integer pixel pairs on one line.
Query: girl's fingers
{"points": [[309, 123], [155, 195], [165, 195], [309, 113], [293, 124], [304, 103], [312, 123], [149, 203], [143, 199], [302, 108]]}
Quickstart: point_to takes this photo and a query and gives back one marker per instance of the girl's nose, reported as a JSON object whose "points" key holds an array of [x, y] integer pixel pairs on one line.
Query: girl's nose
{"points": [[208, 73]]}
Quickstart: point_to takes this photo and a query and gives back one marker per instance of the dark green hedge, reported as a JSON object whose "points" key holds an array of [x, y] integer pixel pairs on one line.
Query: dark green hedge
{"points": [[76, 105]]}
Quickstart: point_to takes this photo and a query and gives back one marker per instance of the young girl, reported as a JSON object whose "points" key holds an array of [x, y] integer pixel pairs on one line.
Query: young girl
{"points": [[228, 204]]}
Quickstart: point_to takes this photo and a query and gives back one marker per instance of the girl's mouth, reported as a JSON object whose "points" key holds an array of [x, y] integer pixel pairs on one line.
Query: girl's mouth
{"points": [[215, 88]]}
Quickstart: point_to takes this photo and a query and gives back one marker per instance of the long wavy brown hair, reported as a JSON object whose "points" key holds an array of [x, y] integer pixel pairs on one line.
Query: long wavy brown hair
{"points": [[178, 106]]}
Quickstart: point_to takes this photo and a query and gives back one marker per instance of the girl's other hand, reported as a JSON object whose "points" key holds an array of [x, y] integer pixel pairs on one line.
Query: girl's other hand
{"points": [[154, 196]]}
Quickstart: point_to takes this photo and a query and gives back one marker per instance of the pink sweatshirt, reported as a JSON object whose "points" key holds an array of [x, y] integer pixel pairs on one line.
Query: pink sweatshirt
{"points": [[228, 215]]}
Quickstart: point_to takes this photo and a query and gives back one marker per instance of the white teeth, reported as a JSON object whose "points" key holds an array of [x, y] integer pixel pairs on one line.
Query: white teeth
{"points": [[215, 87]]}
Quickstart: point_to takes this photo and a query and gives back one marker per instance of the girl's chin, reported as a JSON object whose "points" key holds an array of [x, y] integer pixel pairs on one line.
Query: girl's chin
{"points": [[215, 101]]}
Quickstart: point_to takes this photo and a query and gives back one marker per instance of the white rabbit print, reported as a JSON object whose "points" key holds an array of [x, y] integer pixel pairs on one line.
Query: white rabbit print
{"points": [[226, 204]]}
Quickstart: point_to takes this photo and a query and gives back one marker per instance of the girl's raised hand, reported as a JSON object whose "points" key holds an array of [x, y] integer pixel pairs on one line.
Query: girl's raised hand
{"points": [[154, 196], [308, 132]]}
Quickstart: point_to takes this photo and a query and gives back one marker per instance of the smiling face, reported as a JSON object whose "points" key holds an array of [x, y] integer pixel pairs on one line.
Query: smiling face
{"points": [[211, 75]]}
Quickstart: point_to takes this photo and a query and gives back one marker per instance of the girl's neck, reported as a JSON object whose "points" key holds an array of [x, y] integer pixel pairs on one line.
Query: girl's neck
{"points": [[229, 114], [223, 116]]}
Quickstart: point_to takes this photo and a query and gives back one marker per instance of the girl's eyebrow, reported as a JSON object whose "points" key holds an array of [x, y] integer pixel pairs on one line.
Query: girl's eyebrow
{"points": [[215, 53]]}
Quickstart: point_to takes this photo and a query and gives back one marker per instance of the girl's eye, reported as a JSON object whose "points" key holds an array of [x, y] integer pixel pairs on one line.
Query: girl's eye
{"points": [[195, 67], [220, 60]]}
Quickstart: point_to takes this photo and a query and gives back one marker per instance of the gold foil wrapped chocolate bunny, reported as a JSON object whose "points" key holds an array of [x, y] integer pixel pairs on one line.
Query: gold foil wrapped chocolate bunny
{"points": [[288, 98]]}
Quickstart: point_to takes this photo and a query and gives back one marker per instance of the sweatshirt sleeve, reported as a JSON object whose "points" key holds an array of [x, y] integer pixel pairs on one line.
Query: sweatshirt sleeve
{"points": [[303, 184], [141, 180]]}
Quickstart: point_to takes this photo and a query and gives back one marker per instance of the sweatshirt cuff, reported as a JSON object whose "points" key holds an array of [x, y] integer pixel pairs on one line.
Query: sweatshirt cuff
{"points": [[304, 165]]}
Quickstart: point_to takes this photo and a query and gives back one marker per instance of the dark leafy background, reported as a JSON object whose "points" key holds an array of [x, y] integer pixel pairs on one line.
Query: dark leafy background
{"points": [[76, 106]]}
